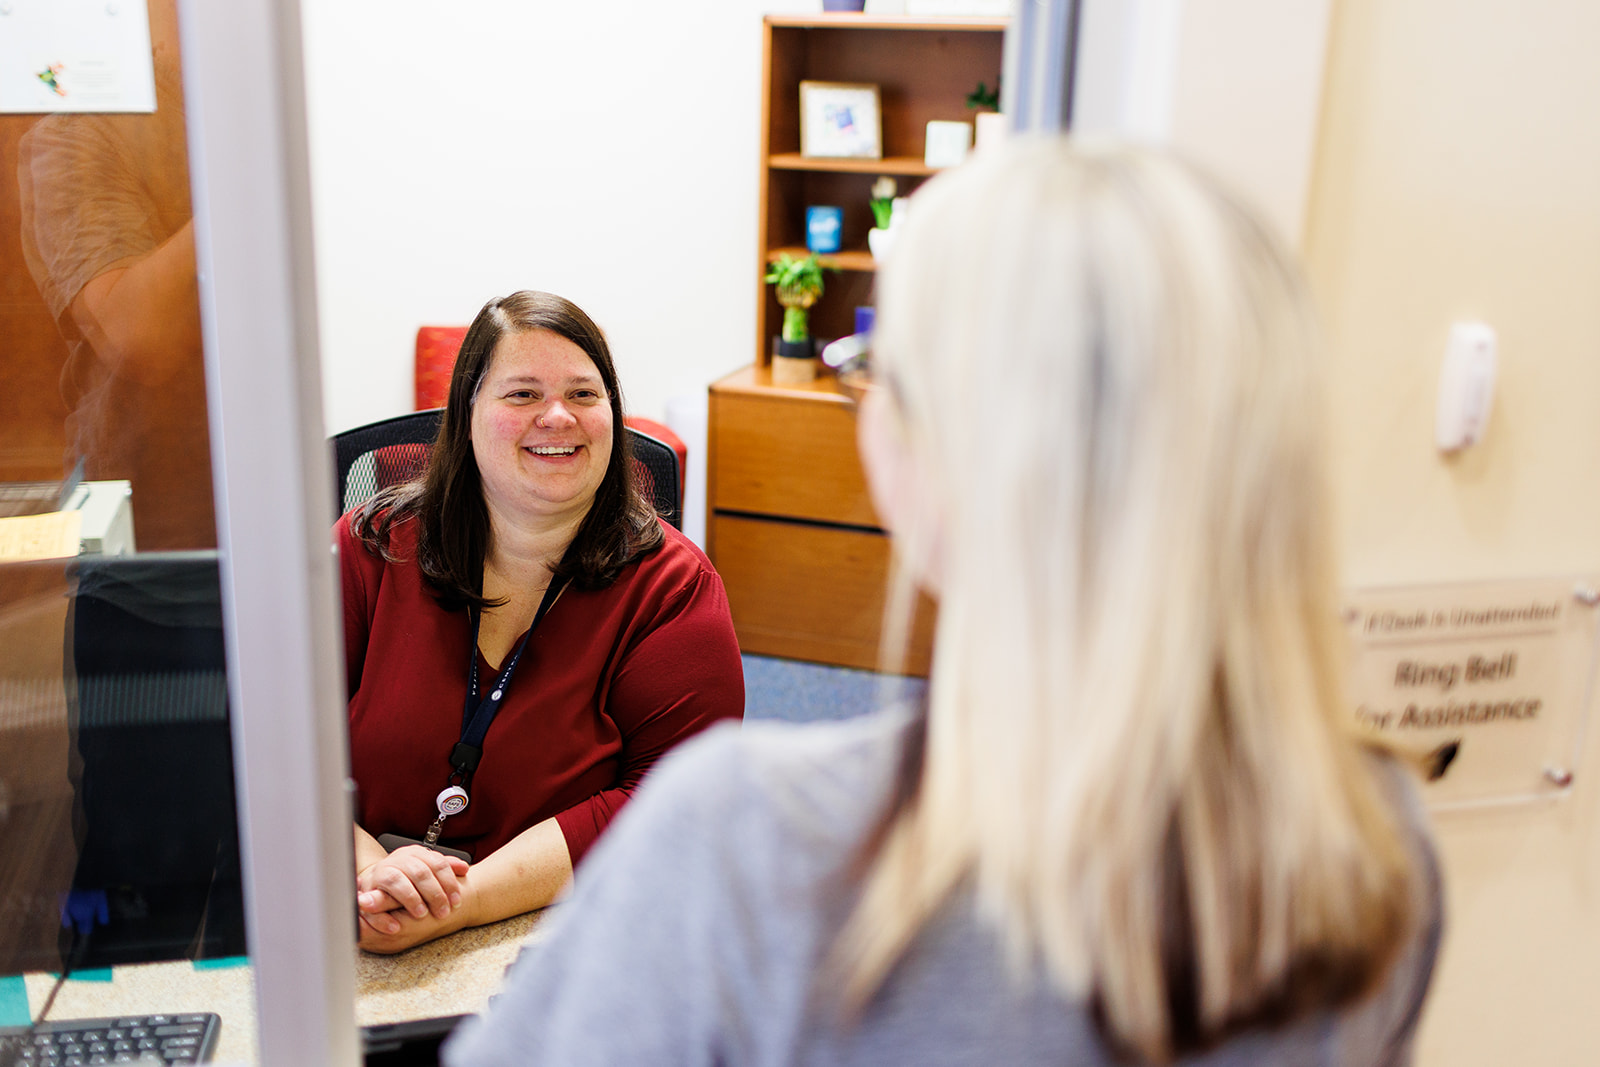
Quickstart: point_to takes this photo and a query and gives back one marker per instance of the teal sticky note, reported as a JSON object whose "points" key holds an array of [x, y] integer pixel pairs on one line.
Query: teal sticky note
{"points": [[95, 974], [98, 974], [221, 963], [14, 1002]]}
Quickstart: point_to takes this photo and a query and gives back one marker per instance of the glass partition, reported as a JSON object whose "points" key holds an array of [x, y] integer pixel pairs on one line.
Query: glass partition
{"points": [[119, 853]]}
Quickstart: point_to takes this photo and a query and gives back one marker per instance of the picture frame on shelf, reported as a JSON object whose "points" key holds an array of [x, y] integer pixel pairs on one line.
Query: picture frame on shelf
{"points": [[946, 143], [840, 120]]}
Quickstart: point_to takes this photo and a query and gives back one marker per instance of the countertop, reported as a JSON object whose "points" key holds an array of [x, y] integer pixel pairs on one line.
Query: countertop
{"points": [[456, 974]]}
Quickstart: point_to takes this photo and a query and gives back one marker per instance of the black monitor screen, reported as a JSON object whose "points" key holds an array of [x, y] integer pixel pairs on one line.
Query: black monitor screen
{"points": [[154, 873]]}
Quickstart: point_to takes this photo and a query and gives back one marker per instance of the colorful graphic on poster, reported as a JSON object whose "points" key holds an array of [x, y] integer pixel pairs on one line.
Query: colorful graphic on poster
{"points": [[48, 76]]}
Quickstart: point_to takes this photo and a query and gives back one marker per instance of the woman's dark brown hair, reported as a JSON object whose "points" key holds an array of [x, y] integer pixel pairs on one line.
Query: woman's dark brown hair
{"points": [[447, 499]]}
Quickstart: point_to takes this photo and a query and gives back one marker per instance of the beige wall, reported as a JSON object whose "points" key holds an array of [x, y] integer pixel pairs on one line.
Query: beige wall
{"points": [[1457, 176], [1233, 85]]}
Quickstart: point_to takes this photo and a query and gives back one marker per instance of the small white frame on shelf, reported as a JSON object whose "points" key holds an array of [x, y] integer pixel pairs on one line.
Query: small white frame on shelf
{"points": [[840, 120]]}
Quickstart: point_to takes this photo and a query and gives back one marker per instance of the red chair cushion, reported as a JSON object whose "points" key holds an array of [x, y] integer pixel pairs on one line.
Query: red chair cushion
{"points": [[436, 358]]}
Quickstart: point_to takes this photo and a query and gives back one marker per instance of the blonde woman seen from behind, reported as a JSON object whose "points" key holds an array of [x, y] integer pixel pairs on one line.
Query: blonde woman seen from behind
{"points": [[1131, 824]]}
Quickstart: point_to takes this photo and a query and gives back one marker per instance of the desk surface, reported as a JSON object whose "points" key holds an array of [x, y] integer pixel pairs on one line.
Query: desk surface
{"points": [[453, 975]]}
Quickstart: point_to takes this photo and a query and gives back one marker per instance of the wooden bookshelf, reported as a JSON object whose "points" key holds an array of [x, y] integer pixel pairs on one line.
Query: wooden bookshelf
{"points": [[895, 166], [845, 260], [790, 524], [923, 67], [856, 21]]}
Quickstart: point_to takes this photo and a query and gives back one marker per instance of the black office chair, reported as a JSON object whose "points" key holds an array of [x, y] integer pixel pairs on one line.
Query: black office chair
{"points": [[658, 475], [381, 454]]}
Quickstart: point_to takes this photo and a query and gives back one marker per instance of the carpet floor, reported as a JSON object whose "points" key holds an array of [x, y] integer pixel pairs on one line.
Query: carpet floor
{"points": [[806, 692]]}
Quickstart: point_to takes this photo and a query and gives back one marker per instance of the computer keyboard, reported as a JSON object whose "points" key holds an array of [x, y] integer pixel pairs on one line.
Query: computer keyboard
{"points": [[146, 1039]]}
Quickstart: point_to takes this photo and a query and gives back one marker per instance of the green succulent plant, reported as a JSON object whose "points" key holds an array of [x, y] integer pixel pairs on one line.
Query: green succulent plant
{"points": [[983, 97], [799, 283]]}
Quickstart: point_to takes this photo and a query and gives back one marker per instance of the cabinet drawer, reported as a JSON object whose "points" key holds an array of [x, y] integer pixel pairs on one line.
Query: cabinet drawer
{"points": [[793, 456], [810, 592]]}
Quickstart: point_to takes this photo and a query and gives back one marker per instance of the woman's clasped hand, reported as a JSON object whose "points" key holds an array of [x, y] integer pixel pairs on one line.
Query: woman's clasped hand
{"points": [[414, 880]]}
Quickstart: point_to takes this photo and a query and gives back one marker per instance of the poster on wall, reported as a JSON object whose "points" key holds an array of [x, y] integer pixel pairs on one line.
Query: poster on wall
{"points": [[1489, 683], [75, 55]]}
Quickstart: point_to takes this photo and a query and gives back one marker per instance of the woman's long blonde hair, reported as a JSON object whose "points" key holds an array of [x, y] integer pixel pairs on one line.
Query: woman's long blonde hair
{"points": [[1101, 370]]}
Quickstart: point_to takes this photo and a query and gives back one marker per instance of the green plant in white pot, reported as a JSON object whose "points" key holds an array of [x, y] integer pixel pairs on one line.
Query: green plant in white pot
{"points": [[798, 283], [990, 125], [886, 210]]}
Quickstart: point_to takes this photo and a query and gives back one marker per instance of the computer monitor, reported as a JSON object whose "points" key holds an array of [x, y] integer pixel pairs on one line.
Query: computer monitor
{"points": [[151, 766]]}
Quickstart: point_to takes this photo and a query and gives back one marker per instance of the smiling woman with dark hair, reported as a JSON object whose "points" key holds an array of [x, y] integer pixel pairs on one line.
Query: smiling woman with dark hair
{"points": [[523, 636]]}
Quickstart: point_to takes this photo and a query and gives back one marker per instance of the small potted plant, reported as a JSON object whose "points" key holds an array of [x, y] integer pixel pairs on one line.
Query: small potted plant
{"points": [[798, 283], [989, 123]]}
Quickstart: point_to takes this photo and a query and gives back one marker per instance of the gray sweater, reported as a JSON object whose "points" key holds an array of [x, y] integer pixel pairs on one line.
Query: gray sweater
{"points": [[697, 925]]}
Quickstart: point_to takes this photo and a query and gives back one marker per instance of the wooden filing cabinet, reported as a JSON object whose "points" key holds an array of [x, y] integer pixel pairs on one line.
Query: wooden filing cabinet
{"points": [[791, 528]]}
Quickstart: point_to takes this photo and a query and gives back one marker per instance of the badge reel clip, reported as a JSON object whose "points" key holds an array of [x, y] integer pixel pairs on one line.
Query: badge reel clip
{"points": [[452, 800]]}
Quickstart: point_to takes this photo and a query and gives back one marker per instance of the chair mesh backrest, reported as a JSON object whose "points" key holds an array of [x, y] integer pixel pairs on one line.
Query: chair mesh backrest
{"points": [[386, 453], [655, 468], [374, 457]]}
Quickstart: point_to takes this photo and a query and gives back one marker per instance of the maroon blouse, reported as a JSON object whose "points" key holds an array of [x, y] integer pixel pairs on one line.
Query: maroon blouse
{"points": [[610, 680]]}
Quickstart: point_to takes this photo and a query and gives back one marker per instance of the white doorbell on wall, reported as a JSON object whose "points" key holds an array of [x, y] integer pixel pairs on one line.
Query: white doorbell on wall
{"points": [[1466, 386]]}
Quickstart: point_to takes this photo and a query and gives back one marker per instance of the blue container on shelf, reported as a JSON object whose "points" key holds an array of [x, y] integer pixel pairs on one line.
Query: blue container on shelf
{"points": [[824, 228]]}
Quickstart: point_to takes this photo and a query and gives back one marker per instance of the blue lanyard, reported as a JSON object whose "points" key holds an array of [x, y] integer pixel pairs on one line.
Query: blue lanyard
{"points": [[477, 714]]}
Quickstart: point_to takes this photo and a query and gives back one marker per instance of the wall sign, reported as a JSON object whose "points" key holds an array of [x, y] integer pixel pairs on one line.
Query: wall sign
{"points": [[1489, 680]]}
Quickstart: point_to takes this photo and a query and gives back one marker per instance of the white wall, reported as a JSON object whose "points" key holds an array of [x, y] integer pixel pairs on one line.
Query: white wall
{"points": [[605, 150], [1234, 85]]}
